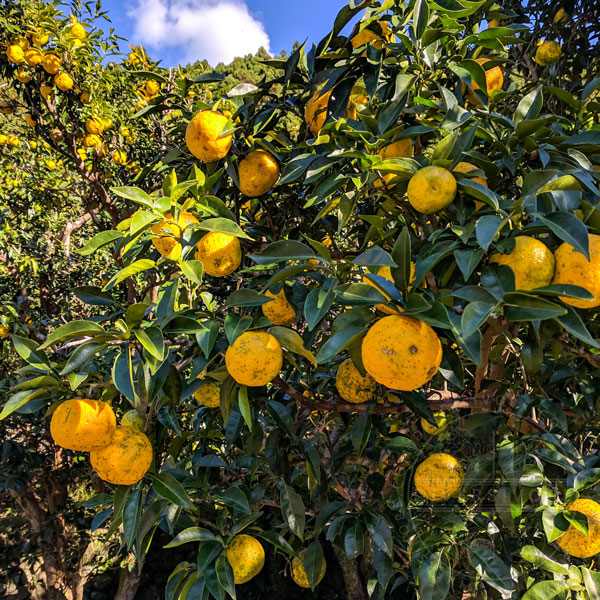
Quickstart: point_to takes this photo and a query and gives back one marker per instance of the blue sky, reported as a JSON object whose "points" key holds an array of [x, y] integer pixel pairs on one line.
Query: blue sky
{"points": [[178, 31]]}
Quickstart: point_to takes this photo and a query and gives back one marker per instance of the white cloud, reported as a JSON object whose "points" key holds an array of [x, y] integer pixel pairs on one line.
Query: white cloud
{"points": [[215, 30]]}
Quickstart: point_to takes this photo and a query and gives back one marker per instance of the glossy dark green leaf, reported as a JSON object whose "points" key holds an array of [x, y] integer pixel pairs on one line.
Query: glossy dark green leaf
{"points": [[434, 577], [313, 562], [72, 330], [492, 569], [524, 307], [292, 509], [547, 590], [168, 487], [282, 251]]}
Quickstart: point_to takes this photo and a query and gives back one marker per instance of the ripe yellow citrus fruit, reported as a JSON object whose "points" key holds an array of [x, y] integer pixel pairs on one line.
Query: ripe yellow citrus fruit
{"points": [[548, 53], [45, 91], [574, 542], [254, 359], [82, 424], [15, 54], [401, 353], [440, 419], [94, 125], [22, 75], [33, 57], [4, 329], [399, 149], [126, 459], [40, 38], [51, 165], [92, 140], [246, 556], [431, 189], [152, 88], [279, 311], [169, 232], [299, 573], [531, 261], [352, 386], [439, 477], [315, 113], [51, 64], [220, 254], [85, 97], [573, 268], [209, 395], [78, 31], [366, 36], [119, 157], [258, 173], [203, 136], [63, 81], [132, 418]]}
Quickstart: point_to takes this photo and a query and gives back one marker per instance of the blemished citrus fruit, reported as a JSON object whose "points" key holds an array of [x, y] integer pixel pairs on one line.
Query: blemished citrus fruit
{"points": [[85, 97], [440, 419], [126, 459], [531, 261], [254, 359], [169, 232], [257, 173], [78, 31], [63, 81], [220, 254], [132, 418], [94, 125], [439, 477], [51, 64], [15, 54], [22, 75], [398, 149], [431, 189], [315, 113], [299, 572], [92, 140], [573, 541], [23, 42], [366, 36], [351, 385], [152, 87], [401, 353], [279, 311], [548, 53], [573, 268], [209, 395], [203, 136], [494, 80], [40, 38], [246, 556], [33, 57], [83, 425]]}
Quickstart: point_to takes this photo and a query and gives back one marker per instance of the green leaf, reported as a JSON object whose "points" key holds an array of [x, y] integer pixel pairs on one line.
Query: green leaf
{"points": [[467, 261], [568, 228], [420, 17], [359, 293], [292, 342], [74, 329], [586, 478], [282, 251], [292, 509], [134, 194], [474, 315], [591, 580], [375, 256], [122, 375], [152, 340], [225, 575], [247, 298], [492, 569], [541, 560], [168, 487], [193, 270], [27, 350], [131, 516], [401, 254], [401, 445], [318, 302], [547, 590], [99, 241], [380, 531], [94, 296], [434, 577], [207, 552], [524, 307], [313, 563], [339, 341], [81, 355], [222, 225], [191, 534], [18, 400], [32, 383], [354, 540], [235, 499], [486, 229], [529, 107], [512, 456], [244, 405], [133, 269]]}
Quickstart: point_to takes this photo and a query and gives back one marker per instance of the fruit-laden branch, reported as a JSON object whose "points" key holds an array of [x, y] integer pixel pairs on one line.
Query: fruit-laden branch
{"points": [[446, 401]]}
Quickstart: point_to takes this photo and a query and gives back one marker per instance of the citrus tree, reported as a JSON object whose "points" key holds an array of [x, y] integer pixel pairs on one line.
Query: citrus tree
{"points": [[362, 355]]}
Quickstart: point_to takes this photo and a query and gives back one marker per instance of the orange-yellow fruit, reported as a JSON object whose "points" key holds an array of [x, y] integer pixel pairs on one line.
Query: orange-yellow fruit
{"points": [[401, 353], [352, 386], [209, 395], [51, 165], [63, 81], [548, 53], [299, 573], [203, 136], [439, 477], [315, 113], [441, 421], [94, 125], [152, 88], [15, 54], [399, 149], [83, 425], [85, 97], [51, 64], [4, 329], [279, 311], [126, 459], [169, 232], [220, 254], [46, 91], [30, 120], [574, 542], [78, 31], [258, 173], [366, 36], [246, 556], [40, 38], [119, 157], [573, 268], [431, 189], [33, 57], [22, 75], [494, 80], [531, 261], [92, 140], [132, 418], [254, 359]]}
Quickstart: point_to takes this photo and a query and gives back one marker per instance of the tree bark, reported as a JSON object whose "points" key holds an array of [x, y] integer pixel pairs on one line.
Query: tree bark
{"points": [[355, 588], [129, 582]]}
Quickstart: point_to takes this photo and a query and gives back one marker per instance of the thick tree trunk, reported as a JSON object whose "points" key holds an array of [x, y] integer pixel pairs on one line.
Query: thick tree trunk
{"points": [[355, 588], [129, 582]]}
